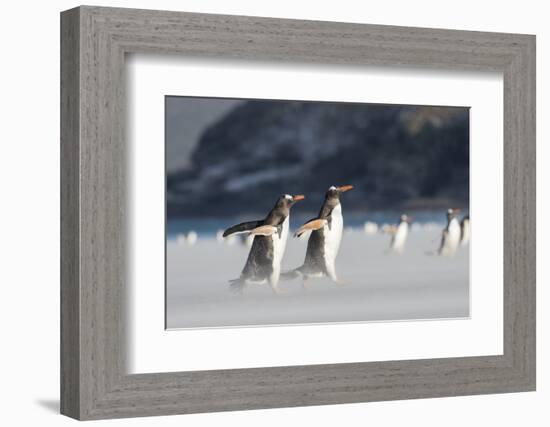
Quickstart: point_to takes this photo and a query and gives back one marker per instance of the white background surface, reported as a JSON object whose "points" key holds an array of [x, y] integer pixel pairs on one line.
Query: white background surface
{"points": [[153, 349], [29, 215]]}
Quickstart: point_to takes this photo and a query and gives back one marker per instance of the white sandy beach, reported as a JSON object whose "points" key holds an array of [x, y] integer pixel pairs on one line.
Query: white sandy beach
{"points": [[378, 285]]}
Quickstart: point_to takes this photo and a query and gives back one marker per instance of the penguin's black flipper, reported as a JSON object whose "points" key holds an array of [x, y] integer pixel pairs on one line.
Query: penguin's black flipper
{"points": [[243, 227]]}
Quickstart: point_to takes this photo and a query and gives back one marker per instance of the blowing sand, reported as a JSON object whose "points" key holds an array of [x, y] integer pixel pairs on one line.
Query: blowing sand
{"points": [[379, 286]]}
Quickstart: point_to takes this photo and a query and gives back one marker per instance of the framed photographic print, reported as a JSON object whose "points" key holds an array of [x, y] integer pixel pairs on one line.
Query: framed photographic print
{"points": [[262, 213]]}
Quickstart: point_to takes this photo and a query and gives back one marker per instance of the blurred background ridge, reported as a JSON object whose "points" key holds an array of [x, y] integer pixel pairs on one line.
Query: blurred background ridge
{"points": [[233, 157]]}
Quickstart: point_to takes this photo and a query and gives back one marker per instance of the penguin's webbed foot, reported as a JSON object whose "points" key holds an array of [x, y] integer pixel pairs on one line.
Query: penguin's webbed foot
{"points": [[277, 291], [340, 282], [237, 286]]}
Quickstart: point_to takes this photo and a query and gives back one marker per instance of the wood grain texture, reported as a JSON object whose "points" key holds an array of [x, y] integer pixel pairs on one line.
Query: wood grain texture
{"points": [[94, 272], [70, 221]]}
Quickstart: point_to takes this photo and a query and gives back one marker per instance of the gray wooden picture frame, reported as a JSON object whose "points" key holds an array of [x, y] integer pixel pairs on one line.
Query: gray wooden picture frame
{"points": [[94, 382]]}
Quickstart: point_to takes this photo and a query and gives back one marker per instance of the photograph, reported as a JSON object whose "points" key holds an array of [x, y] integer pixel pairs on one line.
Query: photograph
{"points": [[285, 212]]}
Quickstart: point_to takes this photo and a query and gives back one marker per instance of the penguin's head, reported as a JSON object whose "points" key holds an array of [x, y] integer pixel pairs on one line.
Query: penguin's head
{"points": [[334, 192], [451, 213], [332, 199], [286, 201], [405, 218], [282, 208]]}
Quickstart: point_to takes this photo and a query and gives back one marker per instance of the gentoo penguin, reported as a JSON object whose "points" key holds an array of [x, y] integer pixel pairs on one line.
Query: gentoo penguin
{"points": [[192, 237], [270, 234], [370, 227], [324, 241], [450, 238], [397, 244], [465, 230]]}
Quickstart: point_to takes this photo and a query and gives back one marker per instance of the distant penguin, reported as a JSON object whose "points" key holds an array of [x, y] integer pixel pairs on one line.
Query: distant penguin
{"points": [[230, 240], [450, 238], [187, 239], [370, 227], [192, 238], [181, 239], [270, 234], [397, 244], [465, 230], [324, 242]]}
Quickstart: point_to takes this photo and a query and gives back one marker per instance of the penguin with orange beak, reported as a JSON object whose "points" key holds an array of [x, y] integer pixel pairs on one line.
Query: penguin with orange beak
{"points": [[266, 253], [324, 242]]}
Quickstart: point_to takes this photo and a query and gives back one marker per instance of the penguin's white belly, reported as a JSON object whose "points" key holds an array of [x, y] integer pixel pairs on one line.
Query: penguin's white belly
{"points": [[452, 239], [333, 237], [279, 246], [398, 241], [465, 233]]}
